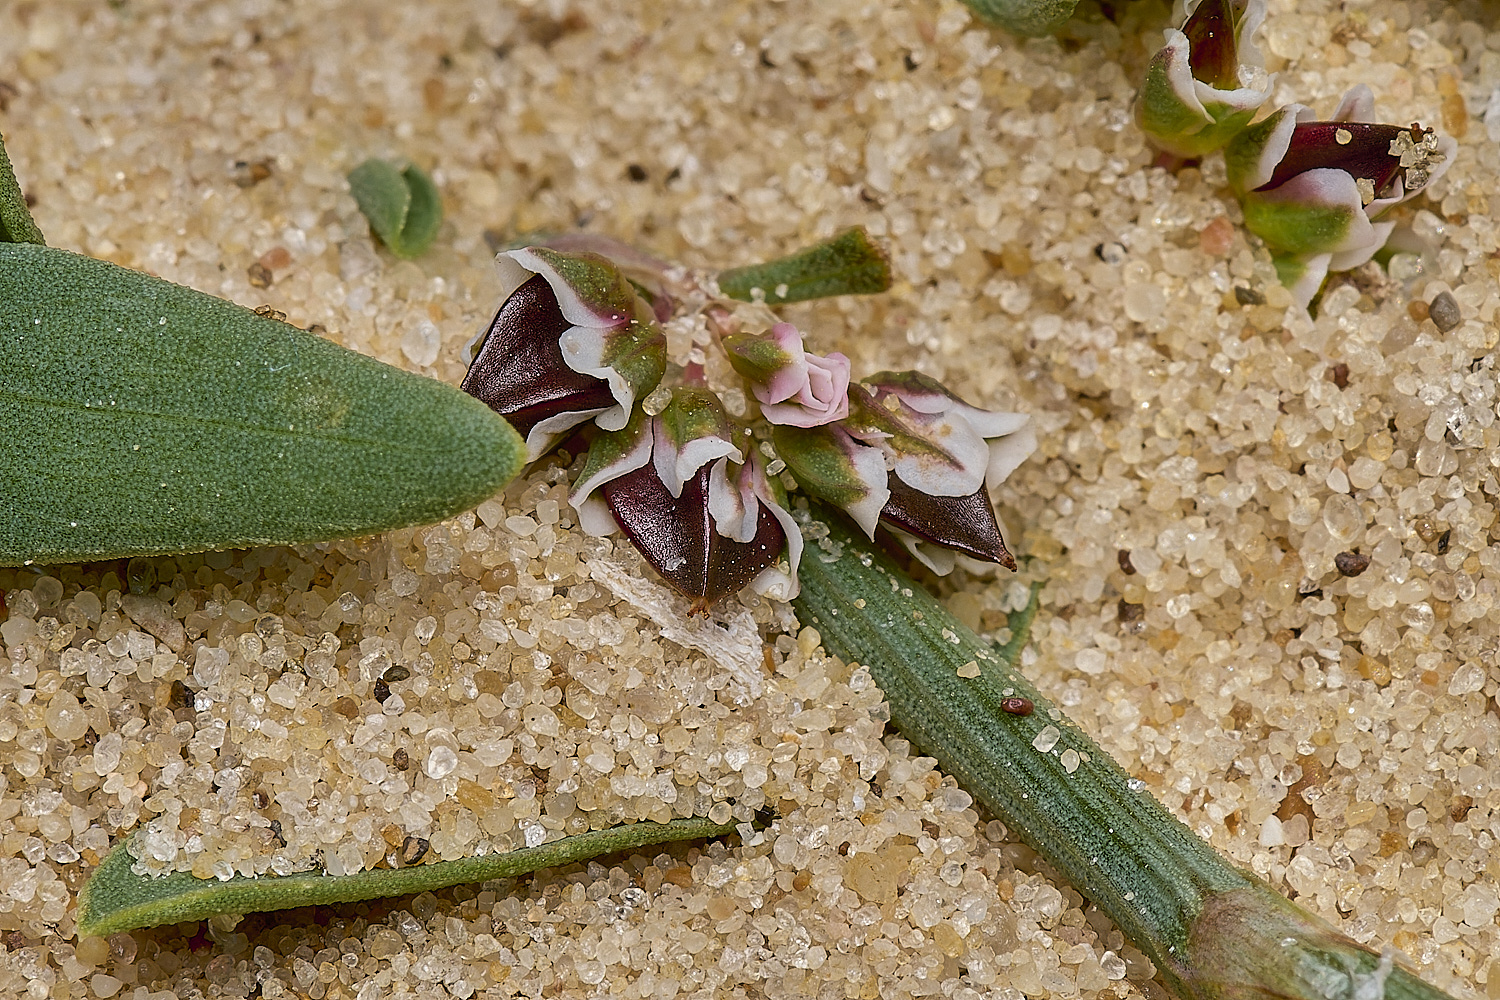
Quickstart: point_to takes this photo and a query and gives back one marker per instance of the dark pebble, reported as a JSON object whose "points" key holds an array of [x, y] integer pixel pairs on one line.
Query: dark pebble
{"points": [[1351, 563], [413, 850], [1444, 312]]}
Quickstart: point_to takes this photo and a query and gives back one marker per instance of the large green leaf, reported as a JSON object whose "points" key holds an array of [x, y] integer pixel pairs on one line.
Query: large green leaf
{"points": [[142, 417]]}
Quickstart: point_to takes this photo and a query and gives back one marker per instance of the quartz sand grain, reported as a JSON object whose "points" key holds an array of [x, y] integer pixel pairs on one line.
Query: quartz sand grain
{"points": [[1211, 465]]}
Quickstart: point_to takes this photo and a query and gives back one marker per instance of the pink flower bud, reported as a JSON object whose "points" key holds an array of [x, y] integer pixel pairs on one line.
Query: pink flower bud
{"points": [[795, 388]]}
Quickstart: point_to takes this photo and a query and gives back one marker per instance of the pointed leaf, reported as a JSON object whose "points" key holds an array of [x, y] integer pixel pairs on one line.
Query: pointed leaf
{"points": [[850, 263], [16, 225], [1361, 149], [116, 899], [145, 418], [1212, 33], [678, 537], [966, 524], [519, 370]]}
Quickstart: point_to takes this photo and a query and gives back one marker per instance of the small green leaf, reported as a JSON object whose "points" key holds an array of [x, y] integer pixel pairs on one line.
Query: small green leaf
{"points": [[16, 225], [402, 205], [1024, 17], [850, 263], [146, 418], [116, 899]]}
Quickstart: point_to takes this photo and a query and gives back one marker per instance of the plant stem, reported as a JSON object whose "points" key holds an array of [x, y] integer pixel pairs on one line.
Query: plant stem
{"points": [[1211, 929], [116, 899]]}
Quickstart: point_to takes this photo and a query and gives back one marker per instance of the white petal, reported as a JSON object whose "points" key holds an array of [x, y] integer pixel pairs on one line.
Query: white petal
{"points": [[1358, 105], [1008, 452], [573, 308], [957, 476], [789, 525], [1334, 188], [1180, 72], [735, 512], [676, 467], [1315, 269], [546, 432], [583, 351], [595, 518], [935, 557], [1347, 259], [638, 455], [992, 423], [1250, 22], [1277, 143], [776, 584], [512, 273], [1239, 99], [869, 468]]}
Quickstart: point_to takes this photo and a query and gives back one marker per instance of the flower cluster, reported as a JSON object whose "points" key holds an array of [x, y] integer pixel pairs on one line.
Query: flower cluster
{"points": [[575, 348], [1200, 89], [1318, 192]]}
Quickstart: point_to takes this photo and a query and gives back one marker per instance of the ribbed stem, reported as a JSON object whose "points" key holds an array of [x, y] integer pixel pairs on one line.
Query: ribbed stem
{"points": [[1211, 930]]}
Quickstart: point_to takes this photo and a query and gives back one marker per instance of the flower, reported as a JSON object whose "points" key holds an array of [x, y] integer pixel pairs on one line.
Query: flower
{"points": [[571, 341], [794, 388], [917, 458], [701, 513], [1316, 191], [1195, 97]]}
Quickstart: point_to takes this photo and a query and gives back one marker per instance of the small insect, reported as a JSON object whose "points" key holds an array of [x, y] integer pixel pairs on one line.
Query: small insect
{"points": [[1017, 706]]}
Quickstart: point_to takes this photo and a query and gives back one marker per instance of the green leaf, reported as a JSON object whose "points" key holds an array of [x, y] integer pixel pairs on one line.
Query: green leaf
{"points": [[142, 418], [1024, 17], [402, 205], [1213, 931], [850, 263], [16, 225], [116, 899]]}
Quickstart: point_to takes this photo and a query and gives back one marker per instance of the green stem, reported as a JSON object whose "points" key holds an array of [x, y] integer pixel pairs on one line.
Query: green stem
{"points": [[16, 224], [116, 899], [1211, 929]]}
